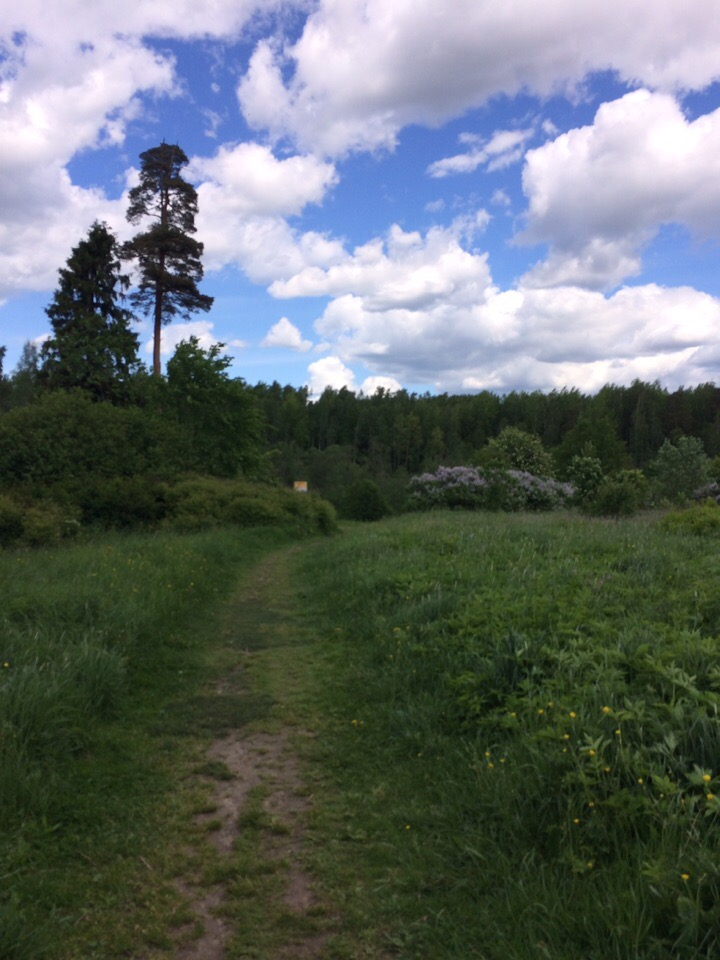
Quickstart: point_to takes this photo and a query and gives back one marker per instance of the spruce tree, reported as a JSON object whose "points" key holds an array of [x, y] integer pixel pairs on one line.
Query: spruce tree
{"points": [[92, 346], [168, 257]]}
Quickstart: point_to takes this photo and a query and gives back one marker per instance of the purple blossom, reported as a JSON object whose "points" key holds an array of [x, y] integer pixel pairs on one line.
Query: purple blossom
{"points": [[475, 489]]}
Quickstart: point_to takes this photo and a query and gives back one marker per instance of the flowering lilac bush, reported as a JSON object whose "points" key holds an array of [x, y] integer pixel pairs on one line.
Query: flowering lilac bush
{"points": [[474, 488], [539, 493]]}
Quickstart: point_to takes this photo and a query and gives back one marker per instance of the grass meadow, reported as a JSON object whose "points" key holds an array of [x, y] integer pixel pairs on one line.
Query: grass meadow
{"points": [[101, 645], [524, 731], [516, 750]]}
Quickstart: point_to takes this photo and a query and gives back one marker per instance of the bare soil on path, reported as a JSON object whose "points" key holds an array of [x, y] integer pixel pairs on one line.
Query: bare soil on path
{"points": [[245, 881]]}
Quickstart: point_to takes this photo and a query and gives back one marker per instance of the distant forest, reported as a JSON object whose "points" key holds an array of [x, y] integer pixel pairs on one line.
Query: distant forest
{"points": [[196, 418], [87, 432], [389, 437]]}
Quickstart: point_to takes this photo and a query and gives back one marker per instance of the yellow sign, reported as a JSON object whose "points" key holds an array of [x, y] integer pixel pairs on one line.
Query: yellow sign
{"points": [[300, 486]]}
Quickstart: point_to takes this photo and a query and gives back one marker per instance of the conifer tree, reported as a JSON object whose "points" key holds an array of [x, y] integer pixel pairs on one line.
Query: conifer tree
{"points": [[92, 346], [168, 257]]}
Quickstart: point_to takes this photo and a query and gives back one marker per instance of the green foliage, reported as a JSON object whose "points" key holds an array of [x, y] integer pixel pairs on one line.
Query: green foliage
{"points": [[45, 524], [586, 475], [593, 435], [121, 502], [11, 521], [475, 488], [620, 495], [680, 468], [24, 382], [700, 519], [562, 678], [200, 502], [92, 347], [364, 501], [515, 449], [168, 257], [217, 414], [67, 437], [97, 639]]}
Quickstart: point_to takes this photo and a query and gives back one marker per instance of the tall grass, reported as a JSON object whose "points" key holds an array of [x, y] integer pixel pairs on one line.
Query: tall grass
{"points": [[95, 639], [526, 732]]}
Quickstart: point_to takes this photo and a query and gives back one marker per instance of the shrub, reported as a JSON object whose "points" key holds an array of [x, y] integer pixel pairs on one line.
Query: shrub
{"points": [[515, 449], [472, 488], [539, 493], [711, 491], [11, 521], [621, 495], [65, 436], [43, 525], [199, 502], [364, 501], [680, 469], [586, 475], [121, 502], [701, 519]]}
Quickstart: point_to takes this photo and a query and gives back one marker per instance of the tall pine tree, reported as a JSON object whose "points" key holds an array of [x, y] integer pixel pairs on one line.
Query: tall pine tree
{"points": [[92, 346], [168, 257]]}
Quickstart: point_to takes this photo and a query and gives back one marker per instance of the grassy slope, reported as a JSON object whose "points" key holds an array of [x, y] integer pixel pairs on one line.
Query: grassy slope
{"points": [[106, 648], [465, 677], [524, 736]]}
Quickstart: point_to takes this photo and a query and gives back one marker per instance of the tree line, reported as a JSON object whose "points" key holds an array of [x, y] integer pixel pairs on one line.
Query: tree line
{"points": [[341, 436], [194, 417]]}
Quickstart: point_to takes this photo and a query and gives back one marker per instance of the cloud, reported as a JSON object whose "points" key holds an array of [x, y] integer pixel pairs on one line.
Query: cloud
{"points": [[360, 72], [403, 271], [174, 333], [73, 76], [244, 195], [422, 309], [247, 180], [371, 385], [531, 339], [597, 194], [329, 372], [286, 335], [54, 106], [502, 149]]}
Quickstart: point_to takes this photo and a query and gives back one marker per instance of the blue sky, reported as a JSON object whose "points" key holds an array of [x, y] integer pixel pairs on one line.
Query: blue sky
{"points": [[421, 195]]}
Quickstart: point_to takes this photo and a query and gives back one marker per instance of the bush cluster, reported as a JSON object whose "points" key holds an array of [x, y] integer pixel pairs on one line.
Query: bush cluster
{"points": [[210, 501], [37, 524], [700, 519], [117, 503], [474, 488], [621, 494]]}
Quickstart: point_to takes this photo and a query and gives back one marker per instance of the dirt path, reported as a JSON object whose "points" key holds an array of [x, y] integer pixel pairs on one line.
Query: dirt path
{"points": [[246, 881]]}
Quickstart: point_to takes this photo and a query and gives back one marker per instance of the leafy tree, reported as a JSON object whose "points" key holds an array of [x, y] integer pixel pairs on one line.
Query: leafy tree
{"points": [[93, 346], [65, 437], [168, 256], [586, 476], [595, 436], [5, 385], [365, 501], [515, 449], [681, 468], [25, 376], [217, 414]]}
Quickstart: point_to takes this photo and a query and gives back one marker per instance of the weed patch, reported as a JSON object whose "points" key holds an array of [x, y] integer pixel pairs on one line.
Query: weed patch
{"points": [[525, 737]]}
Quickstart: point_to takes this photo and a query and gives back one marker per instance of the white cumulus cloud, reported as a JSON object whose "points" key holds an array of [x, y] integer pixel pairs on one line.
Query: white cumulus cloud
{"points": [[596, 194], [286, 335], [329, 372], [361, 71]]}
